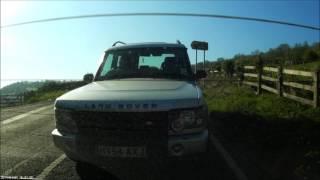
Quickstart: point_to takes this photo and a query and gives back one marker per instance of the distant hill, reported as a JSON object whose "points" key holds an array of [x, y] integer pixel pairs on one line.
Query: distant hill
{"points": [[21, 87], [51, 90], [27, 87]]}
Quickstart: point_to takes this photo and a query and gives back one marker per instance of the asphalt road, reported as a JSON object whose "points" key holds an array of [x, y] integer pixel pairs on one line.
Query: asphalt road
{"points": [[9, 112], [27, 151]]}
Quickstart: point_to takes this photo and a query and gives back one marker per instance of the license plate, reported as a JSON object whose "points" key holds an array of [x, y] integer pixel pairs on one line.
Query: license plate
{"points": [[122, 151]]}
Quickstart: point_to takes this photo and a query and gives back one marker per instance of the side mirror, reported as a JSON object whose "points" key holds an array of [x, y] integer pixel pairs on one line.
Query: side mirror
{"points": [[201, 74], [88, 78]]}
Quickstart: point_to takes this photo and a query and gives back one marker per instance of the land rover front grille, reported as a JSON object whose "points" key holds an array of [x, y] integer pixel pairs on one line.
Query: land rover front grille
{"points": [[127, 121]]}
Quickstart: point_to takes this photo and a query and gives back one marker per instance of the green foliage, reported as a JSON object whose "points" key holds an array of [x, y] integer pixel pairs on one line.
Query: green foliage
{"points": [[228, 68], [312, 66], [310, 55], [51, 90], [45, 96], [218, 65], [21, 87], [284, 55]]}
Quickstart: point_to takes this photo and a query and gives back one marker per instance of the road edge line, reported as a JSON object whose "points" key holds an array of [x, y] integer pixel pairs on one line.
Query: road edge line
{"points": [[20, 116], [51, 166], [240, 175], [9, 171]]}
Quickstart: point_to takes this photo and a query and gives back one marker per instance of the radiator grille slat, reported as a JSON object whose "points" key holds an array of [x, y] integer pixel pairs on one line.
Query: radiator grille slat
{"points": [[123, 121]]}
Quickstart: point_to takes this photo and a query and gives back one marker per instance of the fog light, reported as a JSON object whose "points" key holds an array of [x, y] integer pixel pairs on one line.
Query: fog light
{"points": [[177, 125], [199, 121], [177, 149]]}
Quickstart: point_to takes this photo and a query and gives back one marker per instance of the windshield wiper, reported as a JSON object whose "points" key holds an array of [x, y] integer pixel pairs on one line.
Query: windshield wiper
{"points": [[174, 76], [119, 76]]}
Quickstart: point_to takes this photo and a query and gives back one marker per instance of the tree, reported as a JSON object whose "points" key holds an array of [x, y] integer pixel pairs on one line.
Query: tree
{"points": [[220, 59], [216, 66], [284, 54], [310, 55], [228, 67]]}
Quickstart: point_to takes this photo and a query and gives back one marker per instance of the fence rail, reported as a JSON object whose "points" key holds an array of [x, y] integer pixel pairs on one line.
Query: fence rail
{"points": [[267, 78], [249, 67], [272, 69], [250, 83], [10, 100], [270, 89], [298, 85], [280, 83], [296, 72], [250, 75]]}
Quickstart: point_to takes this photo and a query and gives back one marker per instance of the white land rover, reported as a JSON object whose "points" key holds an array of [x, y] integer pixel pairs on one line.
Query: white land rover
{"points": [[143, 103]]}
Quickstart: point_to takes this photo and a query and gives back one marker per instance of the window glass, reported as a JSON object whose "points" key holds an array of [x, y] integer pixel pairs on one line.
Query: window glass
{"points": [[146, 63]]}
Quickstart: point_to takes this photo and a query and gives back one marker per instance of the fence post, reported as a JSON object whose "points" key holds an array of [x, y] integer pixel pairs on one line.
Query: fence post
{"points": [[260, 70], [22, 99], [316, 88], [241, 75], [259, 82], [280, 80]]}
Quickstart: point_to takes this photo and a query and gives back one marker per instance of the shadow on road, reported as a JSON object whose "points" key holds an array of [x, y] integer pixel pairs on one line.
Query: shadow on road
{"points": [[275, 148], [207, 167], [89, 172]]}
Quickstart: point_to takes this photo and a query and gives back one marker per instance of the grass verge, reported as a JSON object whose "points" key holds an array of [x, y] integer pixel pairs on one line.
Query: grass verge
{"points": [[312, 66], [231, 98], [45, 96]]}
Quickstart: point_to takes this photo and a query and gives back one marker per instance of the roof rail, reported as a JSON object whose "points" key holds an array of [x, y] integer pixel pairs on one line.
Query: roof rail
{"points": [[114, 44], [178, 42]]}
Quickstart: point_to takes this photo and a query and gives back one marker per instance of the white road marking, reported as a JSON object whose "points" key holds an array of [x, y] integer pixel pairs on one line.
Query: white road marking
{"points": [[15, 118], [9, 171], [240, 175], [49, 168]]}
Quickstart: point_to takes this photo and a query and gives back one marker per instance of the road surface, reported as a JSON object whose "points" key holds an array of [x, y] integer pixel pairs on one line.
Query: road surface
{"points": [[27, 151]]}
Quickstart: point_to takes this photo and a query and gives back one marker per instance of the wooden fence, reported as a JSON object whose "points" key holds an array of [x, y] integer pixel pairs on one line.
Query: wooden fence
{"points": [[10, 100], [259, 77]]}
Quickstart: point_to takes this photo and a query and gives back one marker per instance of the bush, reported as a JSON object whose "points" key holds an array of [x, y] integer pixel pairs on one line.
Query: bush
{"points": [[310, 55]]}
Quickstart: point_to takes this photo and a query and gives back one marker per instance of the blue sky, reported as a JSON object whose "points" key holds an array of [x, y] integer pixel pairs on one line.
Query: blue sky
{"points": [[69, 49]]}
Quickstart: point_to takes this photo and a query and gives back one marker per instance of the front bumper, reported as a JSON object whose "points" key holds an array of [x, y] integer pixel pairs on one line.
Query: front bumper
{"points": [[178, 146]]}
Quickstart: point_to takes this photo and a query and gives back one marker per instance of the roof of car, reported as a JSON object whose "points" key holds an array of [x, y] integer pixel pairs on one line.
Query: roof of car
{"points": [[146, 45]]}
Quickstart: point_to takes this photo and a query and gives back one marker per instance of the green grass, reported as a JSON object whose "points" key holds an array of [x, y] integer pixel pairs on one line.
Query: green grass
{"points": [[230, 98], [312, 66], [45, 96]]}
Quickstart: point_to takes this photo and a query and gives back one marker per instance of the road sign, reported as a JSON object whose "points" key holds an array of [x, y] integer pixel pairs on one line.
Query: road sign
{"points": [[201, 45]]}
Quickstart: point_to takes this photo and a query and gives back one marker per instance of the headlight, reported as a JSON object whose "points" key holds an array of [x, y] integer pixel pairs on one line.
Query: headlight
{"points": [[64, 121], [183, 119], [177, 125], [189, 119]]}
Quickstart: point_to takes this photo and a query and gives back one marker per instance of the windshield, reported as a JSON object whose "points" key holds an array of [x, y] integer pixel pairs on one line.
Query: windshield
{"points": [[169, 63]]}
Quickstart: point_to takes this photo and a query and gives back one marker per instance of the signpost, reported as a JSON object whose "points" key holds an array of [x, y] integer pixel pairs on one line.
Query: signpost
{"points": [[201, 45]]}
